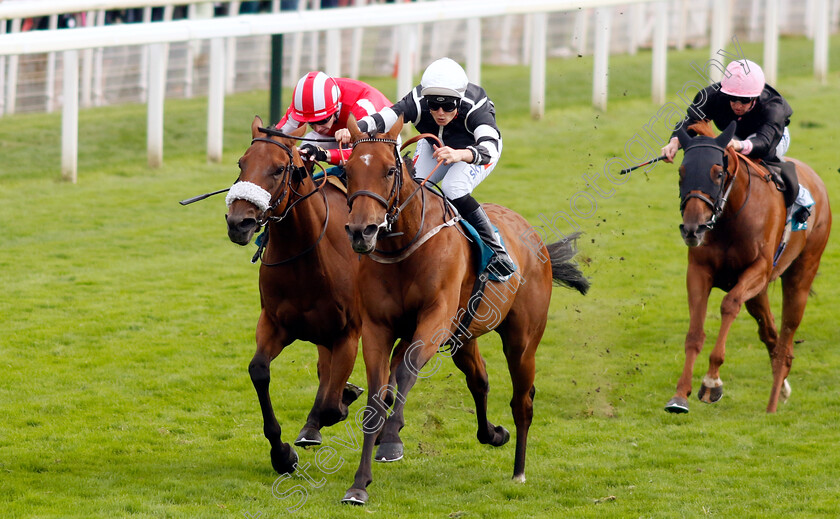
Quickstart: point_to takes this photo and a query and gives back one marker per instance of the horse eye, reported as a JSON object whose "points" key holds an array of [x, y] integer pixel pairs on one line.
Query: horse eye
{"points": [[391, 172], [280, 170]]}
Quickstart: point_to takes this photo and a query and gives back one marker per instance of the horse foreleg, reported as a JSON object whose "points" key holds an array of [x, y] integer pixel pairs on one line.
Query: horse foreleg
{"points": [[338, 394], [699, 285], [468, 359], [310, 434], [751, 283], [334, 394], [270, 342], [376, 345], [414, 360]]}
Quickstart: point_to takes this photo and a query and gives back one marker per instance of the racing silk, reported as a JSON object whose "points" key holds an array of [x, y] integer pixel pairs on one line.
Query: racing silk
{"points": [[357, 98], [762, 127], [473, 128]]}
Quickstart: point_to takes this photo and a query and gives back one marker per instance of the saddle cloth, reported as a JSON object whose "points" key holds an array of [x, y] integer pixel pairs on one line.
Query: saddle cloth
{"points": [[483, 252]]}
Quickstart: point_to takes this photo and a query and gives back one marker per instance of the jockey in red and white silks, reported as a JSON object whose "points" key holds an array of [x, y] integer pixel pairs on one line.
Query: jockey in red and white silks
{"points": [[325, 103]]}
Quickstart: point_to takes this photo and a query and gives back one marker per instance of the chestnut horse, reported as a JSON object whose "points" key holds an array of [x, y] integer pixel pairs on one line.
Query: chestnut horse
{"points": [[419, 289], [307, 279], [733, 222]]}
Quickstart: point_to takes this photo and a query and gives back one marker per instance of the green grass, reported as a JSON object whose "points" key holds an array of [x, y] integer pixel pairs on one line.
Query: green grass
{"points": [[128, 322]]}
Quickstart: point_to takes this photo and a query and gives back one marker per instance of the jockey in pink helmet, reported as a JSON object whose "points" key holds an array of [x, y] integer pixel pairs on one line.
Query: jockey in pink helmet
{"points": [[761, 114], [325, 103]]}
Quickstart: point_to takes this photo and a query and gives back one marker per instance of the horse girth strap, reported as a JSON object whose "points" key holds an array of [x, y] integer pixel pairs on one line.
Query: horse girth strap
{"points": [[462, 328]]}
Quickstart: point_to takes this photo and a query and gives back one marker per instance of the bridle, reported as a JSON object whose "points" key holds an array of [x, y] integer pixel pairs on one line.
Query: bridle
{"points": [[392, 202], [392, 205], [716, 202], [289, 172]]}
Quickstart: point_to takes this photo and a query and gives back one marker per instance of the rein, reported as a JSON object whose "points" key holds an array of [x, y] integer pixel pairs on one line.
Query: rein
{"points": [[718, 203], [392, 205], [287, 187]]}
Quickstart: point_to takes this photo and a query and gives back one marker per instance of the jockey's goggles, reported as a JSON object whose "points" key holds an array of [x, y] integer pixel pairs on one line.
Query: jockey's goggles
{"points": [[742, 100], [322, 121], [449, 104]]}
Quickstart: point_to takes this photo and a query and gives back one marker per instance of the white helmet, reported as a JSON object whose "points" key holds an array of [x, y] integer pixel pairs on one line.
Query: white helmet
{"points": [[444, 77]]}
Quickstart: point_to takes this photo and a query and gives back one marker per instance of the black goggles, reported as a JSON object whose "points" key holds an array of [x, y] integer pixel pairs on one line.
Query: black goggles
{"points": [[322, 121], [448, 105], [742, 100]]}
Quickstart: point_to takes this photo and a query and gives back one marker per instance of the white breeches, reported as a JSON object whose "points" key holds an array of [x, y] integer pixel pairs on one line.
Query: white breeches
{"points": [[455, 180]]}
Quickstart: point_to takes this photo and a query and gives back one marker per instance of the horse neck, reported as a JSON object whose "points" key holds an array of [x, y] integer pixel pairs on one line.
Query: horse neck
{"points": [[303, 223], [742, 184], [412, 215]]}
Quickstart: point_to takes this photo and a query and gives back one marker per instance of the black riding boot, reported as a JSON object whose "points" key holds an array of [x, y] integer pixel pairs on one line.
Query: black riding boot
{"points": [[500, 264]]}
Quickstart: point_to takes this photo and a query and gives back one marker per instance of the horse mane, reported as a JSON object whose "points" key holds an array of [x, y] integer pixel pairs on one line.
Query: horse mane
{"points": [[703, 127]]}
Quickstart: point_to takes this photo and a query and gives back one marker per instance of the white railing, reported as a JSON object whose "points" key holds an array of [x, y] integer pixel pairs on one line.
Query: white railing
{"points": [[406, 16]]}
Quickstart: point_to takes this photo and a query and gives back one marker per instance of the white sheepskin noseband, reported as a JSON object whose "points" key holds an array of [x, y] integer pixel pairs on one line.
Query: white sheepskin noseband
{"points": [[250, 192]]}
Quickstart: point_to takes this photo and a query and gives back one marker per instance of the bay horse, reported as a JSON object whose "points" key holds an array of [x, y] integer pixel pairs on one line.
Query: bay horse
{"points": [[419, 289], [733, 222], [307, 279]]}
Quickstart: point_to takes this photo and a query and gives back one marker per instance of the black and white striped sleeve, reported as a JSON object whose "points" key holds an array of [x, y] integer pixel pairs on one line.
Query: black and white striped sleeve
{"points": [[384, 120], [483, 123]]}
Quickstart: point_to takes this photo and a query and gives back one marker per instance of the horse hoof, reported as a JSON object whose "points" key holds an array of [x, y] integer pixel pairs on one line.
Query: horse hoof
{"points": [[351, 393], [388, 452], [355, 496], [786, 390], [500, 436], [308, 437], [519, 478], [677, 405], [710, 395], [283, 463]]}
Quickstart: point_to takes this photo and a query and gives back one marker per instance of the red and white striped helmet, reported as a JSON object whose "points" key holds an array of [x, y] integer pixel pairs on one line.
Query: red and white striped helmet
{"points": [[316, 97]]}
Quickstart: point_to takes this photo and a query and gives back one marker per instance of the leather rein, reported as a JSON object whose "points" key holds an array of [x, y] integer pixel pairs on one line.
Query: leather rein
{"points": [[288, 172], [718, 202], [393, 207]]}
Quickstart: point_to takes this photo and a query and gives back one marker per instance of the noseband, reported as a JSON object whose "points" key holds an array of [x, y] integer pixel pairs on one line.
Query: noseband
{"points": [[262, 198], [716, 202], [392, 203], [250, 191]]}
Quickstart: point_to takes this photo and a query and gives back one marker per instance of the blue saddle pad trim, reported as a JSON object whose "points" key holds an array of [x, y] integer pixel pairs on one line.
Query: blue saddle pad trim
{"points": [[485, 253], [335, 171]]}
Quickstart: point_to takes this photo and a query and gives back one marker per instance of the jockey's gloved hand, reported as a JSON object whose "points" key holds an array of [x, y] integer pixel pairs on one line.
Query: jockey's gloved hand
{"points": [[313, 152]]}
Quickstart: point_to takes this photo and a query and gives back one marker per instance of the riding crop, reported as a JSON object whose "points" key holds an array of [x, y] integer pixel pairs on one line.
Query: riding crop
{"points": [[651, 161]]}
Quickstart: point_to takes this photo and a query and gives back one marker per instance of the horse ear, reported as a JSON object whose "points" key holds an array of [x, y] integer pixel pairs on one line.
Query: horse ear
{"points": [[395, 130], [255, 126], [353, 127], [299, 132], [723, 139], [684, 137]]}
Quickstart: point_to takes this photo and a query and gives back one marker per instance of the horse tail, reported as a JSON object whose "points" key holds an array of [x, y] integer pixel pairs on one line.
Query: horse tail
{"points": [[564, 271]]}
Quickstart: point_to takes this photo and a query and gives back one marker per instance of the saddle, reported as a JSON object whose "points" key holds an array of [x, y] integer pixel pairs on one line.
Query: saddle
{"points": [[783, 174], [335, 176]]}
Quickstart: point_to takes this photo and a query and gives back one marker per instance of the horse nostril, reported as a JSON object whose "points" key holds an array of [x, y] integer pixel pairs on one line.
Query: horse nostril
{"points": [[247, 224], [371, 230]]}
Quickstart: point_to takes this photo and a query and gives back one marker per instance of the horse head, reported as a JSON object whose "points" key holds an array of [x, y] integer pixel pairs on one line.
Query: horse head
{"points": [[704, 174], [374, 181], [269, 170]]}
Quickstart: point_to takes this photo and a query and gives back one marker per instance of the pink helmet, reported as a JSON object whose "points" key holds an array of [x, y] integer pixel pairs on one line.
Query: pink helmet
{"points": [[742, 79], [316, 97]]}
